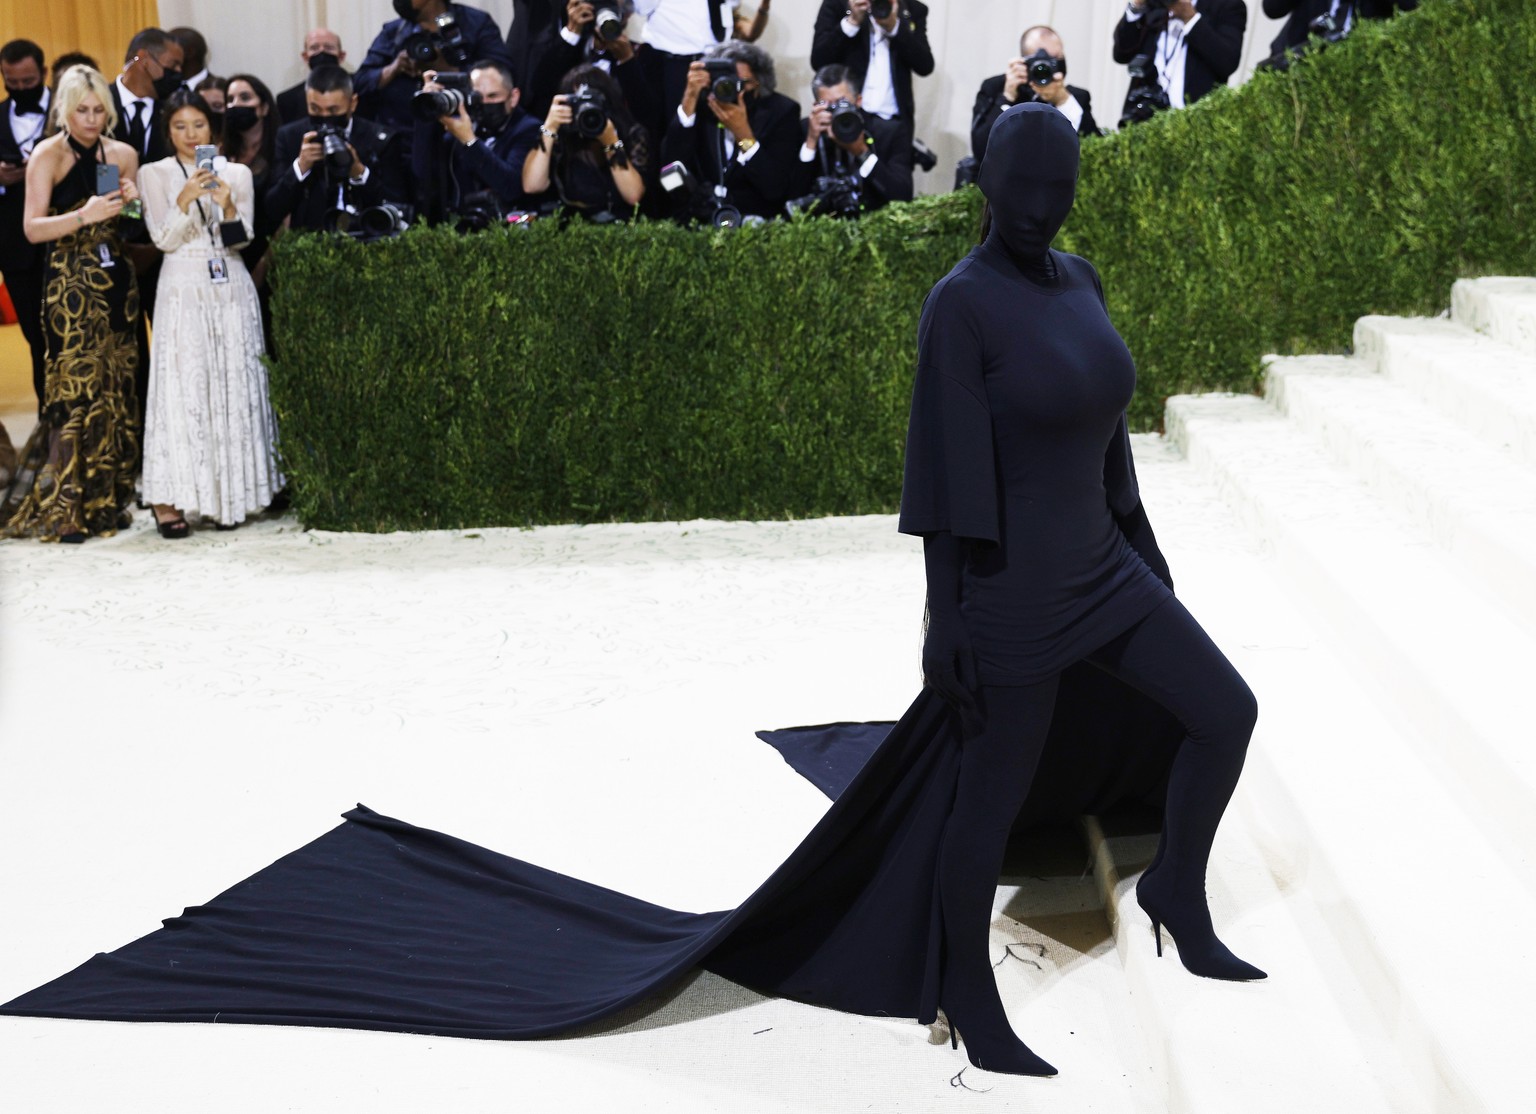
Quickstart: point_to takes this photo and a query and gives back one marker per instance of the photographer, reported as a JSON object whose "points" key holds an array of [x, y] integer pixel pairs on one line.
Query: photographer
{"points": [[580, 41], [429, 35], [479, 147], [23, 121], [1039, 73], [1310, 21], [735, 131], [851, 161], [590, 149], [882, 42], [1186, 47], [333, 162]]}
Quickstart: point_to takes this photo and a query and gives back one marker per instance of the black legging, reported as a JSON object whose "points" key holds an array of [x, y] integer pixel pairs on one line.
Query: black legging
{"points": [[1171, 659]]}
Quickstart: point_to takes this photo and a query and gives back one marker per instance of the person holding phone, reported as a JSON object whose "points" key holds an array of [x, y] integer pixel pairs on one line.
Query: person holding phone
{"points": [[75, 477], [209, 435]]}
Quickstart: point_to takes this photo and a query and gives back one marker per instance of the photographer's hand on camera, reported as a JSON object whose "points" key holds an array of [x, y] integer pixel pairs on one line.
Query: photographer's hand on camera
{"points": [[579, 16], [559, 113], [819, 121], [403, 66], [698, 81], [734, 117], [1053, 92], [619, 50]]}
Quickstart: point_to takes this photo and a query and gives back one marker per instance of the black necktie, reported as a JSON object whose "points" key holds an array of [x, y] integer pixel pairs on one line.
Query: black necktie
{"points": [[136, 126], [716, 24]]}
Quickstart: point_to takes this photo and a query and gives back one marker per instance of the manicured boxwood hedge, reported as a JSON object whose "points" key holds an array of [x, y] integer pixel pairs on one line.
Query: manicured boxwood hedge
{"points": [[536, 375]]}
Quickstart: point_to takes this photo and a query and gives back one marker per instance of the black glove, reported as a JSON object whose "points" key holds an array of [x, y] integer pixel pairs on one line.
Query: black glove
{"points": [[949, 661]]}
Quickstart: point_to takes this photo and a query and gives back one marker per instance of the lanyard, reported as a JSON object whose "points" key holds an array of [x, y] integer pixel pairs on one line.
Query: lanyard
{"points": [[198, 201]]}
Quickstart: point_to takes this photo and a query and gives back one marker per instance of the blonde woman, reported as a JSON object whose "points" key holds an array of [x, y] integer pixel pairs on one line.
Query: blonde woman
{"points": [[75, 478]]}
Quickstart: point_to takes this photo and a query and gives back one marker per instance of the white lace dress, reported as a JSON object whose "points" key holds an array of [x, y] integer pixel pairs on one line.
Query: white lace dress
{"points": [[209, 436]]}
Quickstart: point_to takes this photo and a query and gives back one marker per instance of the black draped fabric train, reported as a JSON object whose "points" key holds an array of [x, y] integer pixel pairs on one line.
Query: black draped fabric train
{"points": [[1043, 572]]}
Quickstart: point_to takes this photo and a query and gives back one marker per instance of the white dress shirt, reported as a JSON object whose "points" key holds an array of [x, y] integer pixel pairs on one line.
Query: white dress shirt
{"points": [[1172, 50], [682, 26], [143, 107], [879, 91], [28, 127]]}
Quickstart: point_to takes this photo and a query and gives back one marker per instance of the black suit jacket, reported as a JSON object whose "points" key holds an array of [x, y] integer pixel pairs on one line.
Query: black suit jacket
{"points": [[990, 103], [310, 202], [291, 104], [1215, 44], [1300, 13], [158, 146], [641, 94], [17, 253], [761, 186], [891, 177], [910, 52]]}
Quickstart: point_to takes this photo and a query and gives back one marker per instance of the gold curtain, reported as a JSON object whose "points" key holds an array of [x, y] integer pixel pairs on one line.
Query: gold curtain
{"points": [[101, 28]]}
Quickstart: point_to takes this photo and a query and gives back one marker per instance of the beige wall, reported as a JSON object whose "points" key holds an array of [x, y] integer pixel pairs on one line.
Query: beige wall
{"points": [[971, 39]]}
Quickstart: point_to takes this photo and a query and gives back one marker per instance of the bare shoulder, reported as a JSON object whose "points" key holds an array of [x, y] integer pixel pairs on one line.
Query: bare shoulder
{"points": [[120, 154]]}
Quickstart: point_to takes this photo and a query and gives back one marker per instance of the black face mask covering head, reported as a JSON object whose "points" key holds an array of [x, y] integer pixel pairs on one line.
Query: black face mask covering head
{"points": [[1029, 178]]}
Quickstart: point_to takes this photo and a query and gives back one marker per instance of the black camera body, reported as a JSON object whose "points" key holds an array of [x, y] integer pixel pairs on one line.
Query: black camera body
{"points": [[1146, 97], [847, 123], [1328, 27], [703, 202], [456, 92], [1043, 68], [448, 40], [724, 82], [589, 112], [835, 195], [881, 9], [335, 158], [610, 22]]}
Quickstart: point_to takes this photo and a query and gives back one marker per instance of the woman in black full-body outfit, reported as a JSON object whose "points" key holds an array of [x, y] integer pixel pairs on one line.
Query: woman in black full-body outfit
{"points": [[1018, 478]]}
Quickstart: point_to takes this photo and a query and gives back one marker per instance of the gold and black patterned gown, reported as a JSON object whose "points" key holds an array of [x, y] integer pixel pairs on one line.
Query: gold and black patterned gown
{"points": [[75, 478]]}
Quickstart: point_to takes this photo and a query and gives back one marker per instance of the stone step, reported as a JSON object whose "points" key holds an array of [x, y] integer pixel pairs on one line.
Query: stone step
{"points": [[1482, 385], [1475, 500], [1504, 308], [1450, 667]]}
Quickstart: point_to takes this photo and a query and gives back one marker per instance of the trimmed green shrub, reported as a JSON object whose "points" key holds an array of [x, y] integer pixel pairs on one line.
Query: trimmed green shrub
{"points": [[536, 375]]}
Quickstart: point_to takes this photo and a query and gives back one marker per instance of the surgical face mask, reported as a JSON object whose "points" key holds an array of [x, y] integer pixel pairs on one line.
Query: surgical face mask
{"points": [[490, 118], [317, 122], [27, 100], [240, 117], [167, 83]]}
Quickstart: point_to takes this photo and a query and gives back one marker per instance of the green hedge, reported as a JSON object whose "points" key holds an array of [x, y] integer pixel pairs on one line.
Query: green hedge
{"points": [[536, 375]]}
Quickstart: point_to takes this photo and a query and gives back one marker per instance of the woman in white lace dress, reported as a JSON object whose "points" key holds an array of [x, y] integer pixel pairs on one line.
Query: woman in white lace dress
{"points": [[209, 432]]}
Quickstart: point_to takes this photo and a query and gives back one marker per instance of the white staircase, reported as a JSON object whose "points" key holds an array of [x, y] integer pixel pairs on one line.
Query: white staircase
{"points": [[1378, 858]]}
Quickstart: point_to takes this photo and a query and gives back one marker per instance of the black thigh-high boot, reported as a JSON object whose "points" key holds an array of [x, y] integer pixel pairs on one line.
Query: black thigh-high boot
{"points": [[1171, 659], [996, 767]]}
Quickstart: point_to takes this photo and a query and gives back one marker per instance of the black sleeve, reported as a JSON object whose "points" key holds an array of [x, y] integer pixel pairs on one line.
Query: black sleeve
{"points": [[828, 43], [891, 178], [1089, 126], [501, 171], [1131, 37], [1279, 9], [910, 45], [1218, 38], [286, 189], [949, 480], [771, 170], [641, 97], [558, 60]]}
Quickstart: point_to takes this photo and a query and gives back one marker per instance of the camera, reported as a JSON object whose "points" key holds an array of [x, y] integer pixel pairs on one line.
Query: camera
{"points": [[724, 81], [447, 40], [1328, 27], [923, 156], [609, 24], [880, 9], [706, 204], [835, 195], [380, 221], [589, 112], [334, 157], [847, 122], [1145, 98], [455, 92], [1043, 68]]}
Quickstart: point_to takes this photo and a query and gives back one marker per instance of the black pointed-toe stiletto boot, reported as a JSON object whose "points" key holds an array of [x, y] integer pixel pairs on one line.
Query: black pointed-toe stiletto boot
{"points": [[1188, 920]]}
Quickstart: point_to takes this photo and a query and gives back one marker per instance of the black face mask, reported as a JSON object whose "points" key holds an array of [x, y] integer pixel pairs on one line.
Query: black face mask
{"points": [[490, 118], [323, 58], [167, 83], [318, 122], [217, 120], [405, 10], [1029, 178], [240, 117], [27, 100]]}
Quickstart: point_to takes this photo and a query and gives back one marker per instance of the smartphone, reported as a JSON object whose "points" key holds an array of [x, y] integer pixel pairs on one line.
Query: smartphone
{"points": [[202, 156], [108, 178]]}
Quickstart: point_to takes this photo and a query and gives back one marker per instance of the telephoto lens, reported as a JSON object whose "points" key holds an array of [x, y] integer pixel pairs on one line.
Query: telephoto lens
{"points": [[429, 105], [589, 112], [724, 82], [609, 24], [333, 144], [847, 122]]}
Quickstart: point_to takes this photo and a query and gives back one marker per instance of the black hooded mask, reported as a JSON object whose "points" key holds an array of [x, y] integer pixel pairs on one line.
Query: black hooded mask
{"points": [[1029, 179]]}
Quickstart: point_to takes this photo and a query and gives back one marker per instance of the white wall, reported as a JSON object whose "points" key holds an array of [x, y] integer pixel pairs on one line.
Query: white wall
{"points": [[971, 39]]}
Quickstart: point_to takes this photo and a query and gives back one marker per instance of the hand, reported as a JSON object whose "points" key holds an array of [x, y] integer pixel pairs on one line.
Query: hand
{"points": [[357, 168], [222, 198], [733, 116], [1055, 92], [559, 113], [579, 15], [129, 189], [1181, 9], [858, 11], [1015, 78], [621, 50], [888, 24], [460, 126], [818, 123], [403, 66], [11, 173], [196, 186], [310, 152], [949, 666], [610, 134], [698, 81], [102, 207]]}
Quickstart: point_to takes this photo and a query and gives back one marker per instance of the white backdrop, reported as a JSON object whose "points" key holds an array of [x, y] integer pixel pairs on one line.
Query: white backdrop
{"points": [[971, 39]]}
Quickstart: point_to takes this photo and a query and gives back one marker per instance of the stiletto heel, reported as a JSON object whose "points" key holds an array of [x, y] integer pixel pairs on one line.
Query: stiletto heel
{"points": [[1008, 1055], [1199, 949]]}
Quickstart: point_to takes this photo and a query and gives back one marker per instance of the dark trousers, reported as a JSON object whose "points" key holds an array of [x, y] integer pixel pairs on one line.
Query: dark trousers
{"points": [[668, 75], [26, 290]]}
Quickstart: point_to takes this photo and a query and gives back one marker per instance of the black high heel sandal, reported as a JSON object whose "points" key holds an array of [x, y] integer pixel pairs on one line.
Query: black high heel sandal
{"points": [[1201, 952], [173, 528]]}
